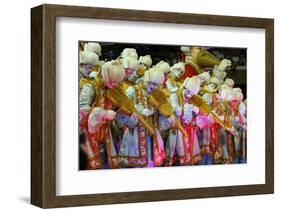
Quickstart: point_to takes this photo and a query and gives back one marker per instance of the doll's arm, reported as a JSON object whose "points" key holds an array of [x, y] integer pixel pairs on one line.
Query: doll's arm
{"points": [[187, 113], [86, 95], [175, 104], [165, 123], [125, 120], [171, 86], [85, 102]]}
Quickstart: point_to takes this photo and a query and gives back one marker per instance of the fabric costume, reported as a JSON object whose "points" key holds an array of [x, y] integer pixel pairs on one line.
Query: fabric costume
{"points": [[178, 147], [96, 114], [151, 148], [138, 148], [95, 127]]}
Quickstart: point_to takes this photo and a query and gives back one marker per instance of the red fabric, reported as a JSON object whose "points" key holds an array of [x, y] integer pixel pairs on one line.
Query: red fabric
{"points": [[189, 71]]}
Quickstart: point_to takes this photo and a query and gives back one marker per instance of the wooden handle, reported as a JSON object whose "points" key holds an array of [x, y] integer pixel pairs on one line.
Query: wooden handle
{"points": [[144, 122], [179, 126]]}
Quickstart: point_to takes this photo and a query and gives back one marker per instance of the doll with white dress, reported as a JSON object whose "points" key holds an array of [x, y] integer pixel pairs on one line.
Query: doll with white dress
{"points": [[97, 115], [178, 147], [139, 148]]}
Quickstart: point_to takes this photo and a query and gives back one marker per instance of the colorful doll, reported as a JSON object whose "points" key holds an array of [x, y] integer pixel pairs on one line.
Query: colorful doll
{"points": [[87, 61], [225, 136], [190, 87], [242, 121], [217, 143], [163, 67], [177, 145], [204, 78], [207, 128], [175, 79], [145, 62], [238, 122], [131, 65], [138, 148], [96, 121], [204, 123]]}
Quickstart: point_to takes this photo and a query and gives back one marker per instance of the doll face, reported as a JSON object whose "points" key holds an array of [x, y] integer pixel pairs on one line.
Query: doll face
{"points": [[211, 86], [150, 86], [202, 79], [177, 72], [143, 66], [133, 77], [187, 93], [130, 73], [85, 69]]}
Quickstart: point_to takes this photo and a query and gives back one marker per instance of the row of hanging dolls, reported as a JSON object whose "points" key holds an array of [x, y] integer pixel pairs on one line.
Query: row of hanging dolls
{"points": [[207, 125]]}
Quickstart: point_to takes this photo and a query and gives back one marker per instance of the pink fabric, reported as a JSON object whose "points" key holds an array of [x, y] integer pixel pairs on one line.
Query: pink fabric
{"points": [[158, 149]]}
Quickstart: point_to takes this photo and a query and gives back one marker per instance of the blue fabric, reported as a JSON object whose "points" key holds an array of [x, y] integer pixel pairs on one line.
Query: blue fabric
{"points": [[206, 160], [149, 147]]}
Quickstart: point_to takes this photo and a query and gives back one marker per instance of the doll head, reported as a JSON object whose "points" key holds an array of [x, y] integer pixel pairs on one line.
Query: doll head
{"points": [[112, 73], [87, 61], [145, 62], [90, 58], [177, 70], [163, 67], [191, 86], [130, 65], [212, 85], [152, 78], [129, 52], [204, 78], [229, 82], [93, 47], [186, 50], [226, 93], [207, 97], [237, 96]]}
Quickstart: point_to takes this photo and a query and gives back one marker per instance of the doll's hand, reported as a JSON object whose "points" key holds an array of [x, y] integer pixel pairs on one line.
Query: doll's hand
{"points": [[147, 112], [224, 64], [139, 107], [171, 120], [93, 74], [178, 111], [109, 115], [133, 120]]}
